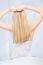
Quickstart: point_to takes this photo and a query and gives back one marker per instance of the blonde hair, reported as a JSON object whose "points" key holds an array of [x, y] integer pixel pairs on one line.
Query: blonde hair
{"points": [[20, 27]]}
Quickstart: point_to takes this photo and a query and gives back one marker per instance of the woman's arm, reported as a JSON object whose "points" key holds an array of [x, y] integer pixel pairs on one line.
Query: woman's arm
{"points": [[34, 8], [2, 13], [35, 23], [5, 26], [29, 7]]}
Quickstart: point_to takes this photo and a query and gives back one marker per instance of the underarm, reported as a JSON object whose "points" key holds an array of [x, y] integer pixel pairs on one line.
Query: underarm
{"points": [[5, 26]]}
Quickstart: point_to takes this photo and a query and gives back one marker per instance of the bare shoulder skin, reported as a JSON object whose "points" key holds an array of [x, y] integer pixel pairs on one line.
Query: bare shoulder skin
{"points": [[33, 26]]}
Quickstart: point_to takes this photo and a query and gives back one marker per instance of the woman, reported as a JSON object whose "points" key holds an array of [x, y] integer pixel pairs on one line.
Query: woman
{"points": [[20, 28]]}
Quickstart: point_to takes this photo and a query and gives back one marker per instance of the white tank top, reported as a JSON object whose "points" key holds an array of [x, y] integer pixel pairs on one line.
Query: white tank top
{"points": [[20, 50]]}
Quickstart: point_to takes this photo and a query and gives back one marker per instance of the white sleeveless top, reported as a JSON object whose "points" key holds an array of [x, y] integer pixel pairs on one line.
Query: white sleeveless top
{"points": [[20, 50]]}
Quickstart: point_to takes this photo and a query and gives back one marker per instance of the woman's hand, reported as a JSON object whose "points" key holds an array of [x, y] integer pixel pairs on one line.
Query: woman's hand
{"points": [[17, 8], [30, 7], [21, 7], [12, 9]]}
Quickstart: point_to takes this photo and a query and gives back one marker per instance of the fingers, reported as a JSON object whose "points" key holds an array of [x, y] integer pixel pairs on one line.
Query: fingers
{"points": [[12, 9], [20, 8], [17, 8]]}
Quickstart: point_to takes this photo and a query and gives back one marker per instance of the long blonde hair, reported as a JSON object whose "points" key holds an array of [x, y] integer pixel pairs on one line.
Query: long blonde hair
{"points": [[20, 27]]}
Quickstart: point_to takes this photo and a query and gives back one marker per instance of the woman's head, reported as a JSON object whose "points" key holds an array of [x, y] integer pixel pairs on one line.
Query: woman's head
{"points": [[20, 27]]}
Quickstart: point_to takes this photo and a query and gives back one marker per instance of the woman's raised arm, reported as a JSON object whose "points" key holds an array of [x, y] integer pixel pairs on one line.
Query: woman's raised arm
{"points": [[36, 22], [2, 13], [5, 26], [29, 7], [34, 8]]}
